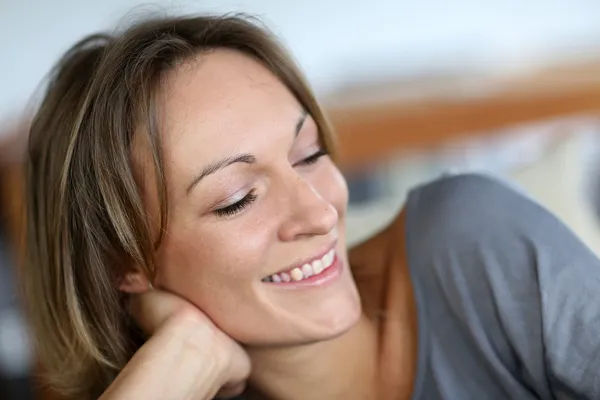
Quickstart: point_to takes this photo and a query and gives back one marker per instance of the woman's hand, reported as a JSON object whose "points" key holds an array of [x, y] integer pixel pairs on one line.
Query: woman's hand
{"points": [[187, 356]]}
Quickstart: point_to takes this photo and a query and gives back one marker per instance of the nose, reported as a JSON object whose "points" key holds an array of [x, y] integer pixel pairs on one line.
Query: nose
{"points": [[309, 213]]}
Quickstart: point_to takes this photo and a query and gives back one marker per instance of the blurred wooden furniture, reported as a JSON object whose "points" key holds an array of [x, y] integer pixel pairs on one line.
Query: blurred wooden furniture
{"points": [[420, 114], [375, 123], [11, 201], [413, 116], [12, 142]]}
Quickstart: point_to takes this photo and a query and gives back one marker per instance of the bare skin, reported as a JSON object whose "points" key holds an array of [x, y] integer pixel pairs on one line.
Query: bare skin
{"points": [[354, 338], [376, 359], [386, 335], [382, 275], [187, 357]]}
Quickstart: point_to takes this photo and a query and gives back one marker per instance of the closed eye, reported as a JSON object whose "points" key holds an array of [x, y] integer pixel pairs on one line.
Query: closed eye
{"points": [[313, 158], [236, 207]]}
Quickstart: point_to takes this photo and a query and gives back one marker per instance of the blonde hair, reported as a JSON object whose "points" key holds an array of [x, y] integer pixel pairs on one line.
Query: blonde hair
{"points": [[86, 220]]}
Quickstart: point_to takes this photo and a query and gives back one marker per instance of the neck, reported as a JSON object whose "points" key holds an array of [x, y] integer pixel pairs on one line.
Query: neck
{"points": [[376, 359], [341, 368]]}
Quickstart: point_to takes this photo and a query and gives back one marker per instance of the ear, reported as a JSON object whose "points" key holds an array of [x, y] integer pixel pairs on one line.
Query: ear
{"points": [[134, 282]]}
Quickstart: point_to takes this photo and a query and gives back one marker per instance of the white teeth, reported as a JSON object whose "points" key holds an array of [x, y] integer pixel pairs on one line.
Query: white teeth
{"points": [[297, 274], [328, 259], [307, 271], [317, 266]]}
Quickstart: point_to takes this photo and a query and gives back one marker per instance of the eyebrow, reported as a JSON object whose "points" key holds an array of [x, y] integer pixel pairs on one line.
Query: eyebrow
{"points": [[240, 158], [218, 165]]}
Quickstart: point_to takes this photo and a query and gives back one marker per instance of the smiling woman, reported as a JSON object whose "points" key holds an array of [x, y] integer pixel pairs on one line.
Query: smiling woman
{"points": [[186, 239], [239, 145], [196, 164]]}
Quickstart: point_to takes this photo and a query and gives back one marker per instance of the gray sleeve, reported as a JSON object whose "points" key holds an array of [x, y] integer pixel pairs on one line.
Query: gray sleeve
{"points": [[512, 270]]}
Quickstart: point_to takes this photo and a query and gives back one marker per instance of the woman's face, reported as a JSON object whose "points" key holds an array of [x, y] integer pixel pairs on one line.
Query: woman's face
{"points": [[254, 204]]}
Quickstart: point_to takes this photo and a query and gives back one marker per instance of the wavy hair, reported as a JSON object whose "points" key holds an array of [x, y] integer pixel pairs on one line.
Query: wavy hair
{"points": [[86, 218]]}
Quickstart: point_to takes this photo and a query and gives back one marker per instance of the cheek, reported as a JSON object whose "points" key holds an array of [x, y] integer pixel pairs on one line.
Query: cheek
{"points": [[212, 254]]}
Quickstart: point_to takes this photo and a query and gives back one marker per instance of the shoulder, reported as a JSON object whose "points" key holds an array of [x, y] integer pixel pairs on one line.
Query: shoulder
{"points": [[497, 268], [481, 198], [479, 210], [471, 245], [466, 230], [488, 230]]}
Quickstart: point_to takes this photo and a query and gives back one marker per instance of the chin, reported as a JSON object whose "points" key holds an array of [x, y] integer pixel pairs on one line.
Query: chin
{"points": [[319, 330], [334, 314], [338, 315], [296, 313], [336, 325]]}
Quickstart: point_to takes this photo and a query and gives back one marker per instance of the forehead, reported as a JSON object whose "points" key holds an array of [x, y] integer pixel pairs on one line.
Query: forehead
{"points": [[223, 99]]}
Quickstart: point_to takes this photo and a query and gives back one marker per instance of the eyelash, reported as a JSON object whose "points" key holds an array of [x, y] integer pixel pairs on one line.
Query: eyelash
{"points": [[236, 207], [314, 157], [251, 197]]}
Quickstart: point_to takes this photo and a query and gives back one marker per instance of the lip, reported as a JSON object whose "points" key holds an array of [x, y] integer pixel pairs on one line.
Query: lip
{"points": [[328, 276], [299, 264]]}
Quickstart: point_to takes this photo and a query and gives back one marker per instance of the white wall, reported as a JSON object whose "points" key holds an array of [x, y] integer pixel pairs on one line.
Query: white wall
{"points": [[336, 41]]}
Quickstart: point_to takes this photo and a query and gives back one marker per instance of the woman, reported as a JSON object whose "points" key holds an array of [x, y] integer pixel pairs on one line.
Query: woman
{"points": [[186, 239]]}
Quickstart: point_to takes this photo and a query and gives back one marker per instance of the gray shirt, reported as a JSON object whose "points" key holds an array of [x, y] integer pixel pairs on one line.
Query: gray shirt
{"points": [[508, 297]]}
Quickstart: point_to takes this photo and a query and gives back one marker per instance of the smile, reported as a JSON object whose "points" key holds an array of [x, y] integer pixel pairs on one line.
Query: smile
{"points": [[311, 270]]}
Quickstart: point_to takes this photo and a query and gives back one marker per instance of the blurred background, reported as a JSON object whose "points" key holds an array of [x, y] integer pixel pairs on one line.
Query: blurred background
{"points": [[415, 89]]}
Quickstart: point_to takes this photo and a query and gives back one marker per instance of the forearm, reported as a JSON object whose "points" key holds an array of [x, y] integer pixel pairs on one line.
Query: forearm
{"points": [[170, 365]]}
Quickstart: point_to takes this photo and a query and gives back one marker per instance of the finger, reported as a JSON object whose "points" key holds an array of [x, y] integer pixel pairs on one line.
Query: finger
{"points": [[231, 391], [240, 367]]}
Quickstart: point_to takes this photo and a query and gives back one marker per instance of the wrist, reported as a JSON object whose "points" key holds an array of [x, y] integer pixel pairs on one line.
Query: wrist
{"points": [[201, 338]]}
